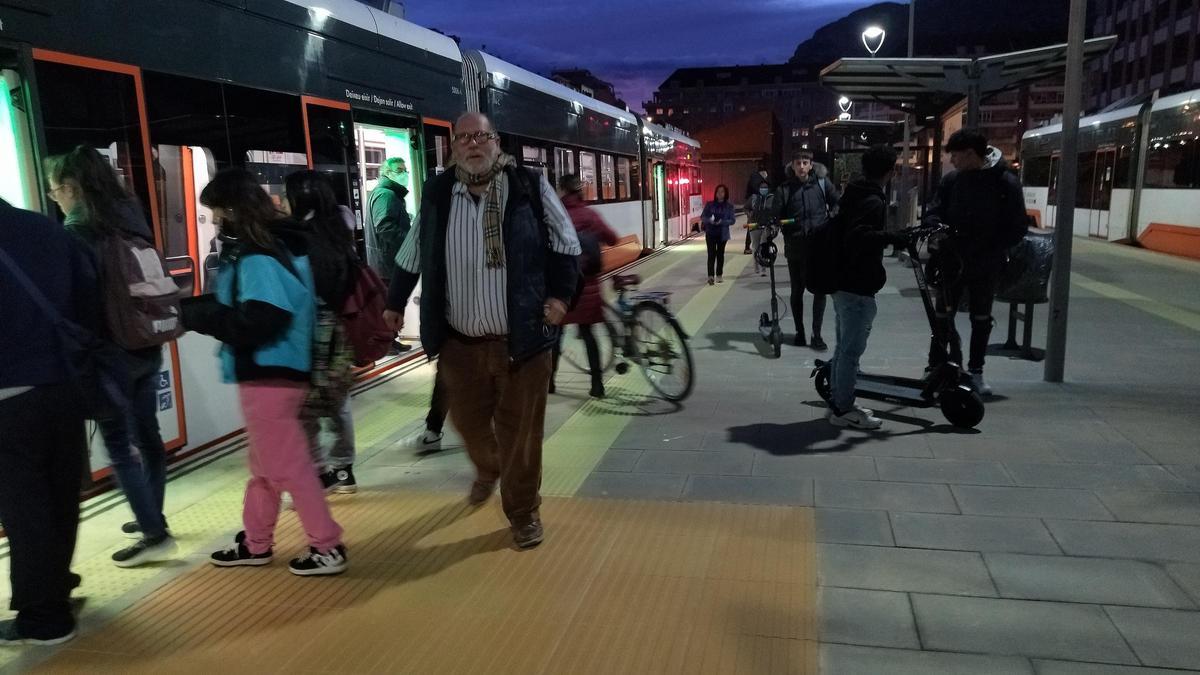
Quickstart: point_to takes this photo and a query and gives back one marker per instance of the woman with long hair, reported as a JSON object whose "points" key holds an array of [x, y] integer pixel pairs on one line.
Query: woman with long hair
{"points": [[718, 217], [264, 311], [96, 206], [311, 201]]}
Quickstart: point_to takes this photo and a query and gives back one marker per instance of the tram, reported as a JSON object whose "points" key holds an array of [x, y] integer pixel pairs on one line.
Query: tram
{"points": [[1139, 174], [171, 91]]}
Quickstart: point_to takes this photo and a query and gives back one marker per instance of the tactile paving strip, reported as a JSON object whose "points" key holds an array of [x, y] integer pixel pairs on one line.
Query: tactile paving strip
{"points": [[436, 587]]}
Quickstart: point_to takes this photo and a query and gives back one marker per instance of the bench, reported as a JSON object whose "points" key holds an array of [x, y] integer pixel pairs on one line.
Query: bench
{"points": [[626, 250]]}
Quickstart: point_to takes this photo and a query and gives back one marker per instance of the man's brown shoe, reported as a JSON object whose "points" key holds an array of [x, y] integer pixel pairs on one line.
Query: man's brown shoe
{"points": [[528, 535], [480, 492]]}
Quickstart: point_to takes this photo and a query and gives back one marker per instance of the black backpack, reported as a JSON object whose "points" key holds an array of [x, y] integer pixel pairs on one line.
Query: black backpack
{"points": [[822, 253], [590, 261]]}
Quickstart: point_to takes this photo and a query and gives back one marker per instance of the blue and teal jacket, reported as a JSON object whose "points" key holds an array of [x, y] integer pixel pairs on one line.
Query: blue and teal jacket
{"points": [[718, 217]]}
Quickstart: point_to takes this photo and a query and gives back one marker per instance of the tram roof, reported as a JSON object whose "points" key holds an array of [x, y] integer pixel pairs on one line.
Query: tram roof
{"points": [[671, 134], [383, 24], [929, 86], [500, 68]]}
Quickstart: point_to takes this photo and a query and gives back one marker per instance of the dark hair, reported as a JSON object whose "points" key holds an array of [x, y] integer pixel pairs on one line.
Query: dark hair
{"points": [[249, 210], [762, 165], [802, 154], [878, 160], [310, 196], [97, 182], [968, 139], [718, 189], [570, 184]]}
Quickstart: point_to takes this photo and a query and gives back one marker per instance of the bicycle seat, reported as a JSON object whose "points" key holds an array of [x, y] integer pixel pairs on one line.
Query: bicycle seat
{"points": [[623, 281]]}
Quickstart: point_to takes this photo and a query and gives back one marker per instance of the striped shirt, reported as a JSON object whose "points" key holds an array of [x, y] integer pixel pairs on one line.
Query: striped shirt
{"points": [[476, 296]]}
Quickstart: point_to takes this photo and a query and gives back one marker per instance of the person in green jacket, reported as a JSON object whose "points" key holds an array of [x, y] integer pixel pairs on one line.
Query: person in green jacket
{"points": [[388, 222]]}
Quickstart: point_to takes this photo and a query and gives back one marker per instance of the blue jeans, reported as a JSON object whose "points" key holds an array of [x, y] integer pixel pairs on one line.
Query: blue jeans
{"points": [[143, 478], [855, 314], [341, 454]]}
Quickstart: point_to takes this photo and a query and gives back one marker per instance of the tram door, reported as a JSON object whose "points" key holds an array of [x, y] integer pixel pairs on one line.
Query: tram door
{"points": [[1102, 186], [19, 184], [660, 203], [1052, 193]]}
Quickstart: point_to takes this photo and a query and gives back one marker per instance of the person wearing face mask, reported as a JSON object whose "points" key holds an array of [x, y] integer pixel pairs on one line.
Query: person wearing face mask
{"points": [[757, 180], [809, 201], [761, 209], [388, 222], [496, 255]]}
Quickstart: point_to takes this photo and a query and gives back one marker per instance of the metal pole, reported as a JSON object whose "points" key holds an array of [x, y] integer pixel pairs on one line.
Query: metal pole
{"points": [[905, 169], [974, 98], [1064, 220]]}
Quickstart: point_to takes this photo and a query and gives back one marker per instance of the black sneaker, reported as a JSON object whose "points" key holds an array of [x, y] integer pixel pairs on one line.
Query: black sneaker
{"points": [[818, 344], [134, 531], [238, 555], [145, 551], [74, 580], [799, 341], [340, 481], [528, 535], [9, 635], [314, 563]]}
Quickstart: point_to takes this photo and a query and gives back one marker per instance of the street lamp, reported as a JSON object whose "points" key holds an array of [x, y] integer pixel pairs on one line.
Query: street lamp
{"points": [[872, 39], [845, 104]]}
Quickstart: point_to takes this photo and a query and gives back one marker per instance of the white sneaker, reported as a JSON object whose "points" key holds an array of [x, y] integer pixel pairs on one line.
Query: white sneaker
{"points": [[857, 419], [979, 385], [426, 440]]}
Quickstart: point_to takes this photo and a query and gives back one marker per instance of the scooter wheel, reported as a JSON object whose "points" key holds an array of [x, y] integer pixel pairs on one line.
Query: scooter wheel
{"points": [[962, 407], [821, 381], [777, 342]]}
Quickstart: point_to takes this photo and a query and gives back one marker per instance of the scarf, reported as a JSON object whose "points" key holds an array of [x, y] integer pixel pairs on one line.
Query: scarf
{"points": [[493, 239]]}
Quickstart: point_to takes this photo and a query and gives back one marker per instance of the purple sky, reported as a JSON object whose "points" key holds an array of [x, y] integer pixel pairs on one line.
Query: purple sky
{"points": [[635, 44]]}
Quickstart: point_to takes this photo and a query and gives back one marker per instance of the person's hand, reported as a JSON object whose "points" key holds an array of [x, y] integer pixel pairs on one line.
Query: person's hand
{"points": [[393, 320], [556, 310]]}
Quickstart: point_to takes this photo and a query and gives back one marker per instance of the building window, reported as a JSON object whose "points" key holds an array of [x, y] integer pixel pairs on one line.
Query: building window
{"points": [[587, 175], [795, 133], [804, 132], [742, 108], [712, 109], [670, 111], [608, 179], [622, 178]]}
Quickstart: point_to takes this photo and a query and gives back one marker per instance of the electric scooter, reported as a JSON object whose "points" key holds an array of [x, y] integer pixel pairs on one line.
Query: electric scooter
{"points": [[947, 386], [768, 324]]}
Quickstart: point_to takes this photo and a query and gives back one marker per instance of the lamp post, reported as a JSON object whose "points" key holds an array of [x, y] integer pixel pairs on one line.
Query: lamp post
{"points": [[905, 156]]}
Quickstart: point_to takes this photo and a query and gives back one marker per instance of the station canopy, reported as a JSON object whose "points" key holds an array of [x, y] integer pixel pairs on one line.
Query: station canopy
{"points": [[862, 132], [930, 86]]}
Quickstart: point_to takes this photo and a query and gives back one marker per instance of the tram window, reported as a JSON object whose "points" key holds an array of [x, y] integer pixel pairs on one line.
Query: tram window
{"points": [[1124, 168], [587, 175], [266, 134], [1083, 183], [622, 178], [1173, 164], [437, 149], [535, 158], [331, 139], [608, 177], [97, 108], [564, 163], [18, 168], [373, 157], [1036, 171]]}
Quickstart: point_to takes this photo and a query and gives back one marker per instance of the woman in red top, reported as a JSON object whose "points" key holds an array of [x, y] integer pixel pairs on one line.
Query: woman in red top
{"points": [[590, 307]]}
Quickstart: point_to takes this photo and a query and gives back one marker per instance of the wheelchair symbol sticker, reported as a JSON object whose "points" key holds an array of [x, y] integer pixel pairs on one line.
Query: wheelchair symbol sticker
{"points": [[164, 401], [164, 380]]}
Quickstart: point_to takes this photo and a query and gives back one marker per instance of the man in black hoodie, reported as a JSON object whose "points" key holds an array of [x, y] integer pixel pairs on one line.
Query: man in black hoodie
{"points": [[982, 202], [861, 235]]}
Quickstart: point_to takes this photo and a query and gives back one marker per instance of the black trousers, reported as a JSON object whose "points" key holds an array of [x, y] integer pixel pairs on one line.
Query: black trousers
{"points": [[981, 293], [748, 241], [42, 449], [716, 256], [593, 353], [436, 419], [794, 252]]}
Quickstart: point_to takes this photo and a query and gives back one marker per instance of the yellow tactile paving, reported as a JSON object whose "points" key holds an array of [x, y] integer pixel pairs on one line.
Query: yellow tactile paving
{"points": [[435, 587]]}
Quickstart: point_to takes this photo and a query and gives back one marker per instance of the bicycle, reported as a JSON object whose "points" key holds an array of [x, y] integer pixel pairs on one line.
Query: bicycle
{"points": [[640, 329]]}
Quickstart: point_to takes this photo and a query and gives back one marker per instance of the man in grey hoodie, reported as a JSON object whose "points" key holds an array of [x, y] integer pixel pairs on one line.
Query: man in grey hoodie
{"points": [[810, 200]]}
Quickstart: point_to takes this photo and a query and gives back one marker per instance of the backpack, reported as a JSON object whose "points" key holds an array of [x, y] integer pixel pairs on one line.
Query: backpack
{"points": [[362, 317], [822, 255], [591, 260], [141, 300]]}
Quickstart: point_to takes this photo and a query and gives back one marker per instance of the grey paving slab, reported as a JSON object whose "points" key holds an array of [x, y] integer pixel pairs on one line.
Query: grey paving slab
{"points": [[1094, 476], [1092, 452], [854, 660], [1039, 629], [619, 459], [973, 533], [1173, 453], [1179, 508], [750, 490], [1187, 575], [717, 462], [988, 448], [858, 617], [886, 496], [903, 569], [1188, 473], [633, 485], [1045, 667], [816, 466], [851, 526], [942, 471], [1037, 502], [1127, 540], [657, 438], [1161, 637], [1093, 580]]}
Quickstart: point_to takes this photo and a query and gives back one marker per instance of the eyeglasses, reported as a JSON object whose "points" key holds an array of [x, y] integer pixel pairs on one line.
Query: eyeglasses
{"points": [[50, 193], [480, 137]]}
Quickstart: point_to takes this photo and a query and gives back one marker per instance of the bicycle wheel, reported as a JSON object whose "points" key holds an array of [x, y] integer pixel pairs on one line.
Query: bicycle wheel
{"points": [[575, 353], [663, 353]]}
